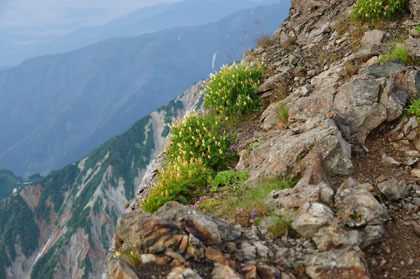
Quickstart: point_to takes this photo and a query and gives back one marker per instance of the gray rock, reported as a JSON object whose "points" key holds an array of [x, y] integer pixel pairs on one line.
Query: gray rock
{"points": [[384, 69], [394, 189], [224, 272], [146, 234], [367, 102], [371, 234], [414, 6], [118, 268], [271, 83], [208, 229], [343, 264], [336, 237], [313, 186], [263, 252], [389, 161], [372, 37], [248, 251], [183, 273], [411, 125], [288, 153], [413, 47], [357, 207], [269, 116], [310, 217]]}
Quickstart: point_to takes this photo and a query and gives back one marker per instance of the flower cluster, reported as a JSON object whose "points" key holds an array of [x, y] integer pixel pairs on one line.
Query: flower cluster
{"points": [[232, 89], [177, 181], [199, 135], [240, 143], [376, 9]]}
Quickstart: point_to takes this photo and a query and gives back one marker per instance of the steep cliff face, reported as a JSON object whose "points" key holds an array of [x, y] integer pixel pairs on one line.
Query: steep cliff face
{"points": [[62, 227], [333, 117]]}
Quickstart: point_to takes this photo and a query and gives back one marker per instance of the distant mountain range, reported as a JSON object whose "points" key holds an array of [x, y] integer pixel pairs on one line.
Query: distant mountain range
{"points": [[57, 108], [61, 226], [14, 50]]}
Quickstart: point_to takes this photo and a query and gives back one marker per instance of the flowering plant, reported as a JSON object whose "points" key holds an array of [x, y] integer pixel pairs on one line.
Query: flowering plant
{"points": [[199, 135], [376, 9], [232, 89], [177, 181]]}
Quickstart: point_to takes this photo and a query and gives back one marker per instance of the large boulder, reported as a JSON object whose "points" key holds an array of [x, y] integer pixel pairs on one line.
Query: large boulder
{"points": [[367, 102], [336, 237], [313, 187], [207, 228], [357, 208], [146, 234], [289, 153], [394, 189], [310, 217], [343, 264]]}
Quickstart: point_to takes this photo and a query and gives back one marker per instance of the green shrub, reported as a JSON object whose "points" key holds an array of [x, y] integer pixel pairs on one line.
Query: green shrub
{"points": [[414, 108], [417, 28], [279, 225], [231, 91], [177, 182], [229, 177], [376, 9], [399, 52], [199, 135], [282, 112]]}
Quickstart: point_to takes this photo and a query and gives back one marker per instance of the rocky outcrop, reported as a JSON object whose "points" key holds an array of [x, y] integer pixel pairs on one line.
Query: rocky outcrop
{"points": [[185, 242], [336, 96]]}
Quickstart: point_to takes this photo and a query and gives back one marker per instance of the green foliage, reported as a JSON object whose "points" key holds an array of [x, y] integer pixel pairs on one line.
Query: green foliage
{"points": [[376, 9], [17, 227], [132, 257], [97, 207], [230, 177], [177, 181], [104, 237], [246, 203], [231, 91], [279, 225], [53, 188], [414, 108], [417, 28], [87, 267], [282, 112], [399, 52], [171, 111], [8, 181], [44, 267], [199, 135]]}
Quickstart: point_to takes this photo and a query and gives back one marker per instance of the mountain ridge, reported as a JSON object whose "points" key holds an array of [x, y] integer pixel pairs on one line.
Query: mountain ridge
{"points": [[56, 88]]}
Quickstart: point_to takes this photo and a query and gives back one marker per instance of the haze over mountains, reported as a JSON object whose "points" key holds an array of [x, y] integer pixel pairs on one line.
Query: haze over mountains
{"points": [[14, 49], [57, 108]]}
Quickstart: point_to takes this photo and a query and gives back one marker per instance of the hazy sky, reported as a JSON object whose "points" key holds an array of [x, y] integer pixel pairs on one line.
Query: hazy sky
{"points": [[57, 17]]}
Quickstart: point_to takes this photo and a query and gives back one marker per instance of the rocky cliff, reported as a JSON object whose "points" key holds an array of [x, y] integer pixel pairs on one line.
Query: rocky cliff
{"points": [[62, 227], [334, 118]]}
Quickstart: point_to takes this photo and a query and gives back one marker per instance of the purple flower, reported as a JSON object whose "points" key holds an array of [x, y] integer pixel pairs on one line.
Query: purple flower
{"points": [[253, 213]]}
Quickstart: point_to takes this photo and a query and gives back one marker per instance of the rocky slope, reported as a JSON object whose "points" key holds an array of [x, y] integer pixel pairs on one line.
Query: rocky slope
{"points": [[62, 226], [355, 211]]}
